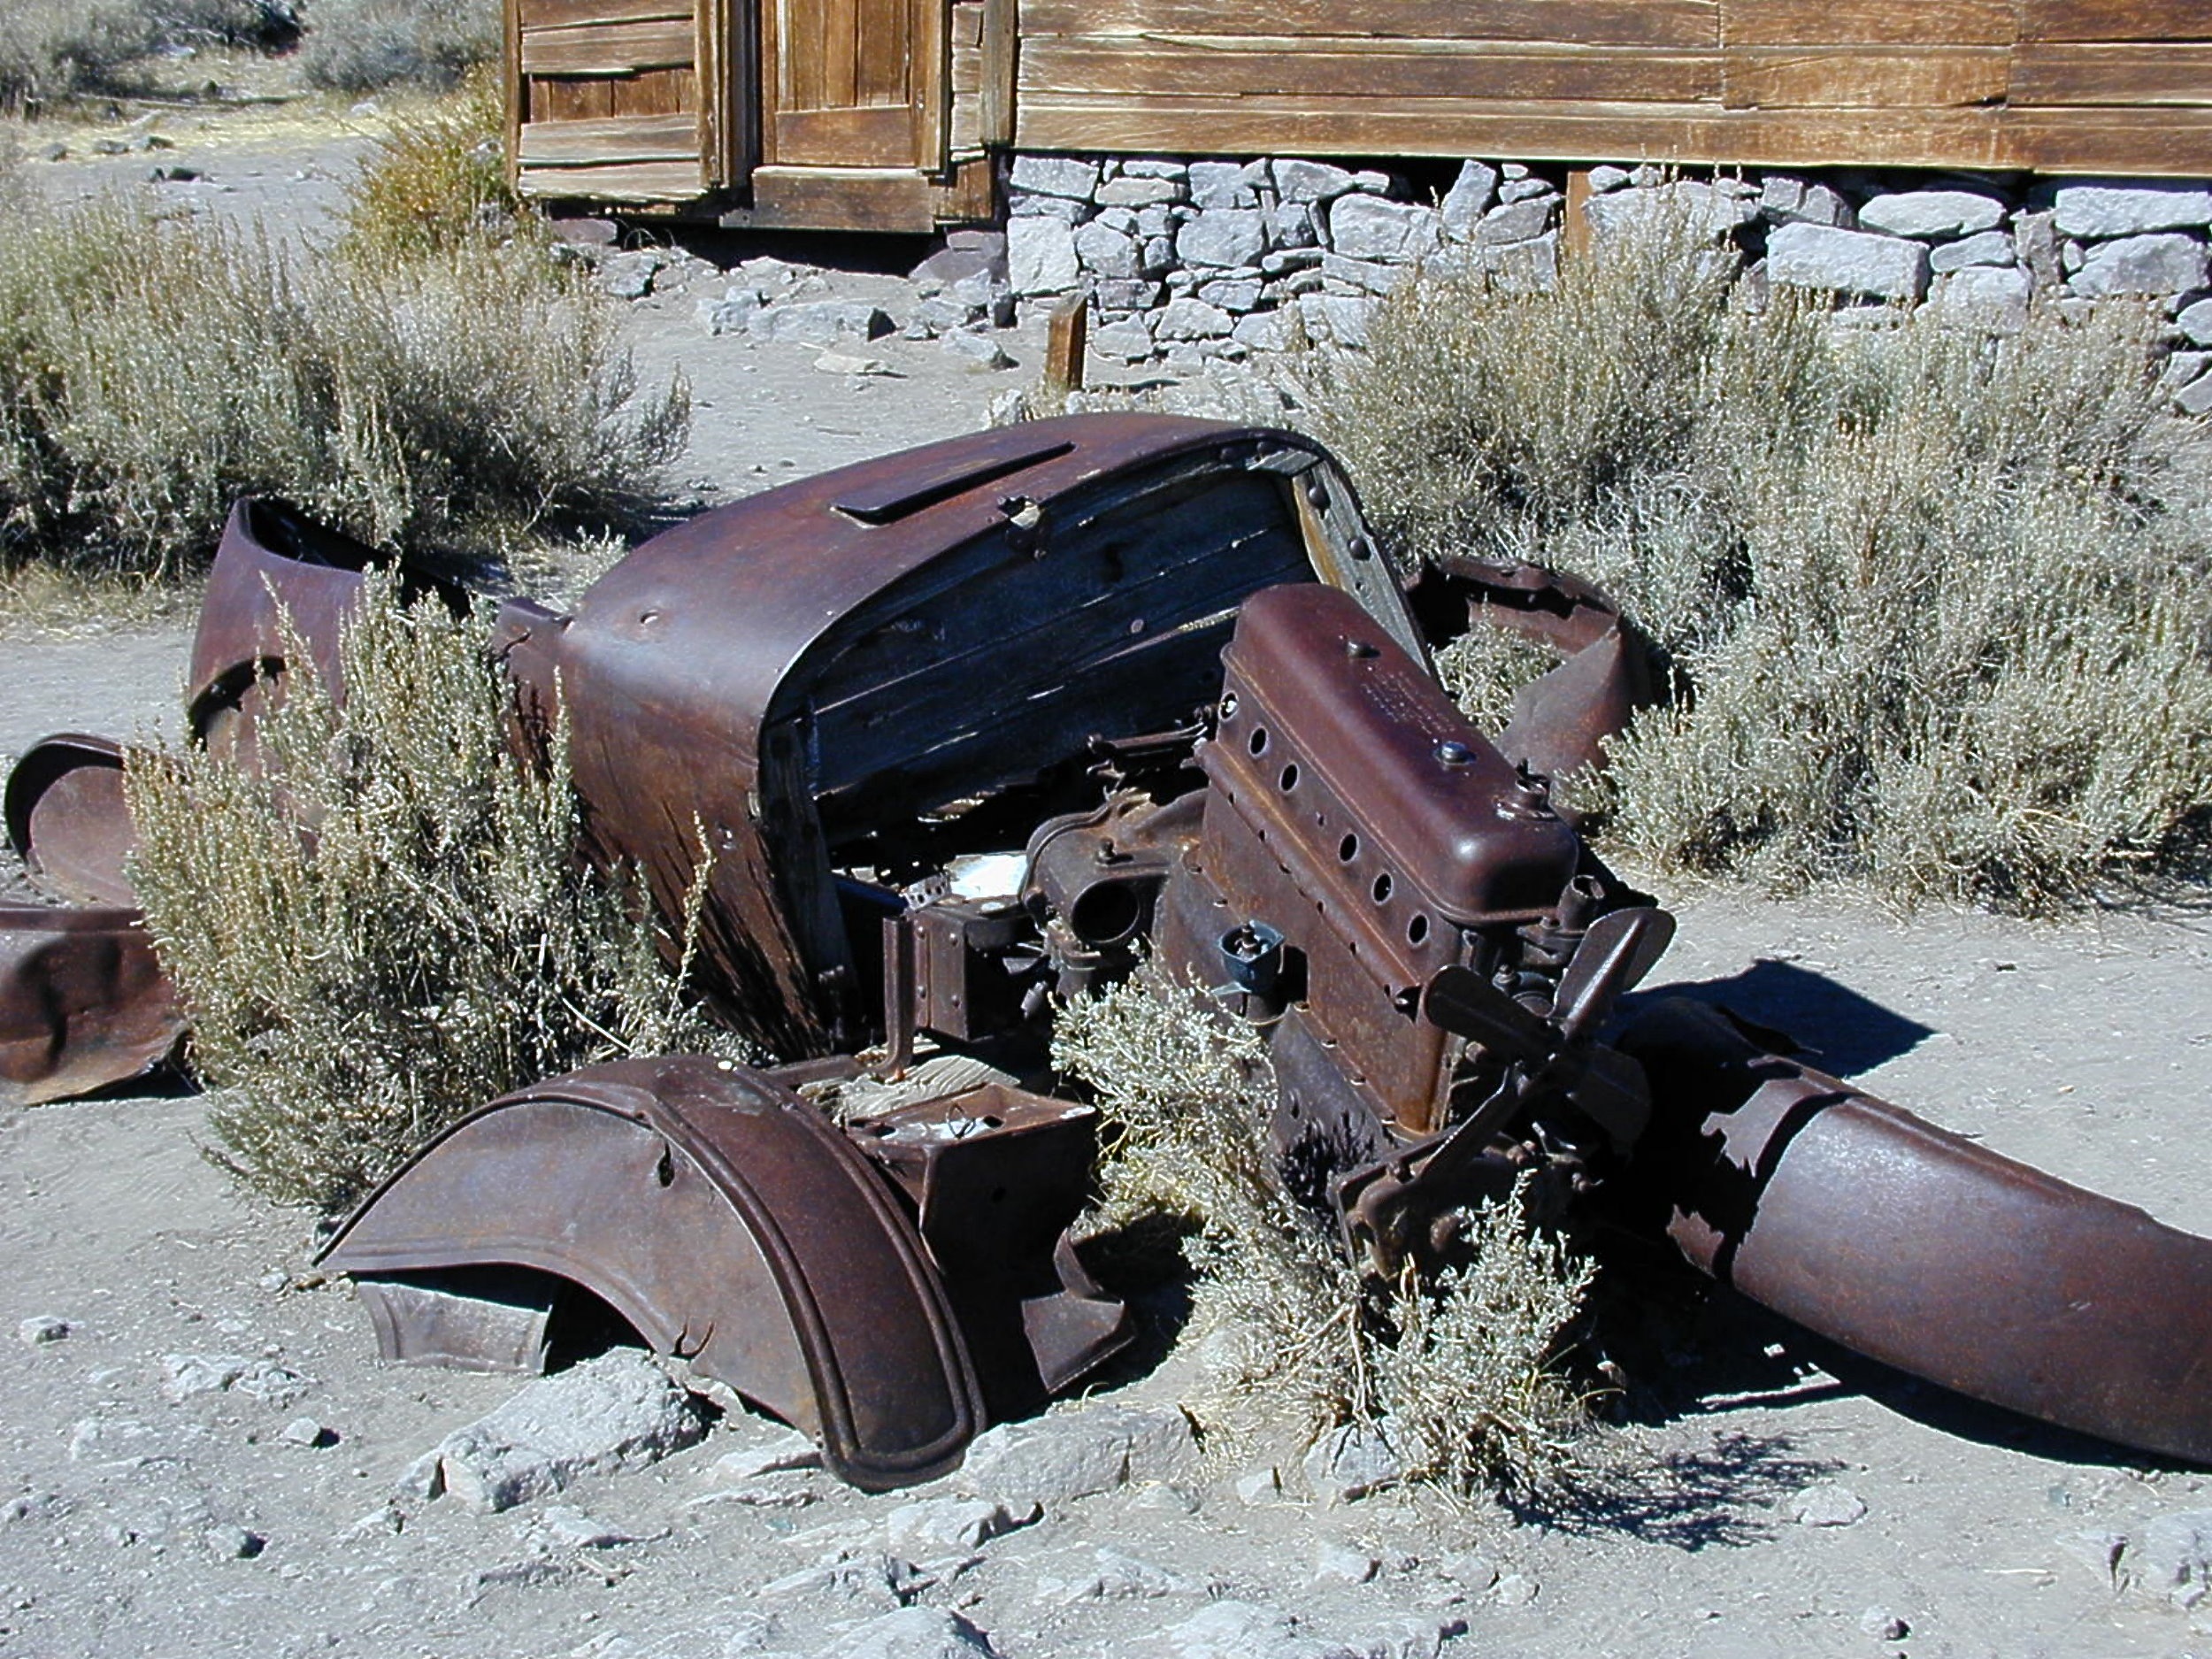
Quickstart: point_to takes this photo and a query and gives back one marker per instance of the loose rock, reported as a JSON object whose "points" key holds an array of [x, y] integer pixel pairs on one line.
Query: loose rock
{"points": [[1341, 1564], [1827, 1504], [186, 1375], [617, 1411], [941, 1525], [1884, 1625], [1072, 1453], [912, 1632], [42, 1329], [1351, 1462], [1041, 257]]}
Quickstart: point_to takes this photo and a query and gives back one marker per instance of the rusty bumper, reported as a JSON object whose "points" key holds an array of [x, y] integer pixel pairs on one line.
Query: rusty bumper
{"points": [[1921, 1249]]}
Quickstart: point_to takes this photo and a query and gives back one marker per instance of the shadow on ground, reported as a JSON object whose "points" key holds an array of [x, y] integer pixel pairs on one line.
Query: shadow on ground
{"points": [[1832, 1026]]}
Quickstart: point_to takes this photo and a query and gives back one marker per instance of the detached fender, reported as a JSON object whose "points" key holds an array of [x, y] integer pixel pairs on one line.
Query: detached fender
{"points": [[726, 1220], [1922, 1249], [83, 1003]]}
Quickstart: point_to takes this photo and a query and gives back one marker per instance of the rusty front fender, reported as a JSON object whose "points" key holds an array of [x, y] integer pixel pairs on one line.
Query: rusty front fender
{"points": [[726, 1219], [1921, 1249]]}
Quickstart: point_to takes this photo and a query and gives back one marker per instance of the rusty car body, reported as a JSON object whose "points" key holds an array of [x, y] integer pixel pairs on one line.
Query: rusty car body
{"points": [[970, 730]]}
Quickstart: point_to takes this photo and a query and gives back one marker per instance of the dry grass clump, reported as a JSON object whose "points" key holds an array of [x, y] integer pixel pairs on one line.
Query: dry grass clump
{"points": [[1937, 601], [431, 944], [1459, 1374], [152, 372], [51, 50], [438, 183], [362, 45]]}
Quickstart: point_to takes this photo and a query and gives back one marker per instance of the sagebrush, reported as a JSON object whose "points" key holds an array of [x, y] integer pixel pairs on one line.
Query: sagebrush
{"points": [[151, 371], [436, 184], [1933, 601], [384, 922], [363, 45], [1461, 1374], [52, 49]]}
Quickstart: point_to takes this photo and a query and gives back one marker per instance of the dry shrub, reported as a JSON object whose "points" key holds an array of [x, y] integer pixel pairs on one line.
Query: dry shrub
{"points": [[152, 372], [1461, 1374], [362, 45], [51, 50], [438, 182], [432, 944], [1937, 601]]}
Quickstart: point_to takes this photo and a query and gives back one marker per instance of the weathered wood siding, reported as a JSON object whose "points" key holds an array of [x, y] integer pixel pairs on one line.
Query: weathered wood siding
{"points": [[614, 99], [2057, 86]]}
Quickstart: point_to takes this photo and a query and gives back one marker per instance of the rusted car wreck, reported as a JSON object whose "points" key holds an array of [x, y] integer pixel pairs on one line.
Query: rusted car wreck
{"points": [[972, 728]]}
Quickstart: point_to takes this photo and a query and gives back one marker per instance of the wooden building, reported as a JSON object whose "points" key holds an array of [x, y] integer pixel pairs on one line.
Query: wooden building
{"points": [[887, 115]]}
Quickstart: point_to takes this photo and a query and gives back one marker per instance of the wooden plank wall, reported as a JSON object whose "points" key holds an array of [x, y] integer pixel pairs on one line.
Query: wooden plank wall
{"points": [[2055, 86], [605, 99]]}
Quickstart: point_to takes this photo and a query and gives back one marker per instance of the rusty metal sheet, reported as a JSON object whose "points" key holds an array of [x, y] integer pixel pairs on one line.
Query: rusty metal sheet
{"points": [[1921, 1249], [67, 820], [272, 561], [727, 1221], [997, 1175], [1561, 720], [83, 1003]]}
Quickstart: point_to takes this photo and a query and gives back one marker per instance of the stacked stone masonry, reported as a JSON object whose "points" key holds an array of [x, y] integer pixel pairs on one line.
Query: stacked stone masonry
{"points": [[1190, 260]]}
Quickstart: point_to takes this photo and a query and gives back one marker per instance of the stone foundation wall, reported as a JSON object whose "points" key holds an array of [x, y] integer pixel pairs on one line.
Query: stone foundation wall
{"points": [[1190, 260]]}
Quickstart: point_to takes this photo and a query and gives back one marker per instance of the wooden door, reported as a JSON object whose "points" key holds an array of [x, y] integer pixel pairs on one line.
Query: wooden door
{"points": [[853, 83], [627, 100]]}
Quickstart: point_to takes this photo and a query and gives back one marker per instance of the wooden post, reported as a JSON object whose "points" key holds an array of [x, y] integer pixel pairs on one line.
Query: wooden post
{"points": [[1001, 28], [1068, 337], [1574, 231]]}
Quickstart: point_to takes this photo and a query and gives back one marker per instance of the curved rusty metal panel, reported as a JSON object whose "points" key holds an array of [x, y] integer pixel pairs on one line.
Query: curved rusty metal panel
{"points": [[66, 818], [83, 1003], [1921, 1249], [728, 1222], [270, 555], [1561, 720]]}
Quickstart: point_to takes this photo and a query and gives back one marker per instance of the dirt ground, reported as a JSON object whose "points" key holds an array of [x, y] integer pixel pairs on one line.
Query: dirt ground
{"points": [[132, 1522]]}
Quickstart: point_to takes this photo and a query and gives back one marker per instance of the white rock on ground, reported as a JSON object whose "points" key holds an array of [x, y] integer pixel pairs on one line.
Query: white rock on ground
{"points": [[2171, 1557], [1349, 1462], [912, 1632], [1824, 1503], [819, 323], [937, 1526], [185, 1375], [616, 1411], [1069, 1454]]}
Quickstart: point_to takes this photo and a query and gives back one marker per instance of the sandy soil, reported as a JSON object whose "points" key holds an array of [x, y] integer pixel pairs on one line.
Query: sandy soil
{"points": [[122, 1511]]}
